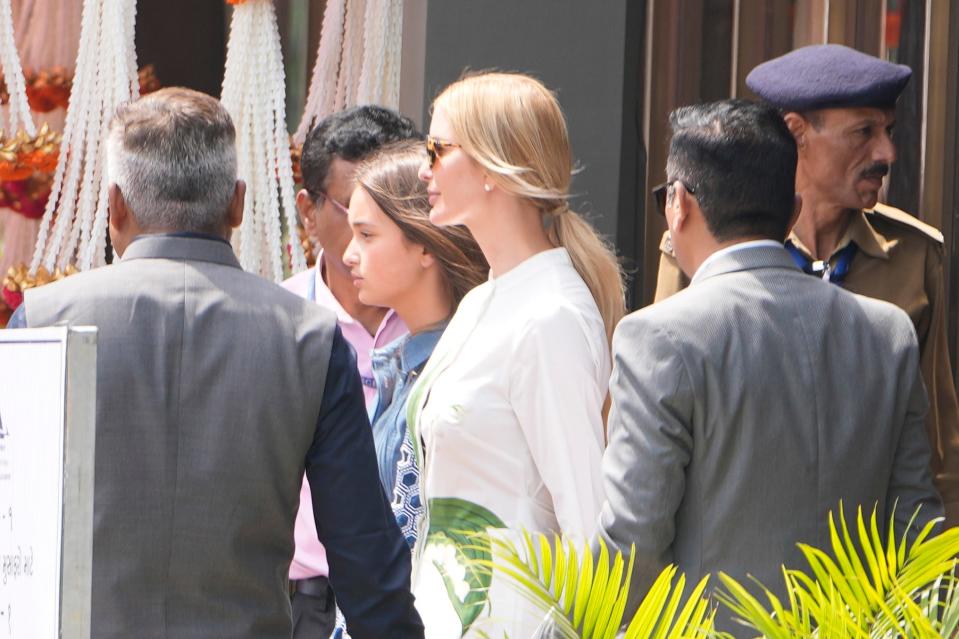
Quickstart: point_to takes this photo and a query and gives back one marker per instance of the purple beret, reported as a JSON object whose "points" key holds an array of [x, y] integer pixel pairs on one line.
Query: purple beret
{"points": [[828, 75]]}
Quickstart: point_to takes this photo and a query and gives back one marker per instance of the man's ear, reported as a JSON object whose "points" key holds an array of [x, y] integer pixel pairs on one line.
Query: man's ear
{"points": [[118, 212], [304, 206], [680, 206], [797, 125], [235, 212]]}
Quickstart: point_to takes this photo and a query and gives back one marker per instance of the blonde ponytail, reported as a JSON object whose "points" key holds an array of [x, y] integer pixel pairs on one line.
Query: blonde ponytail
{"points": [[594, 260], [512, 125]]}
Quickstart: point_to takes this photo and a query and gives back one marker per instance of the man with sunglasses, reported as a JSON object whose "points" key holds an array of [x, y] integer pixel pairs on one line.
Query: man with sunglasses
{"points": [[331, 152], [732, 432], [839, 104]]}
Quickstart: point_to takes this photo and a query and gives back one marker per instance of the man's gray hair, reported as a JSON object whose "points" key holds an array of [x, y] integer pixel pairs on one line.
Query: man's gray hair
{"points": [[172, 153]]}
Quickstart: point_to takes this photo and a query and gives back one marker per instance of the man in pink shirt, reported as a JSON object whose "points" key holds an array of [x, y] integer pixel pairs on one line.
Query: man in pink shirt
{"points": [[331, 153]]}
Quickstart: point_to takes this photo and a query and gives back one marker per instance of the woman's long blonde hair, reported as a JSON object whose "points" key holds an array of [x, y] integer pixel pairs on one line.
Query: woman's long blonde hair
{"points": [[390, 178], [513, 127]]}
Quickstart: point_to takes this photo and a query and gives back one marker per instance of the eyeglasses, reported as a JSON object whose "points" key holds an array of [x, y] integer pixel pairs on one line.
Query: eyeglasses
{"points": [[436, 148], [320, 196], [660, 192]]}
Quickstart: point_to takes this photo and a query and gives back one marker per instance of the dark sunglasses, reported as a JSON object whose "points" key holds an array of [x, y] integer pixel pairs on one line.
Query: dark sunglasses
{"points": [[662, 190], [436, 148]]}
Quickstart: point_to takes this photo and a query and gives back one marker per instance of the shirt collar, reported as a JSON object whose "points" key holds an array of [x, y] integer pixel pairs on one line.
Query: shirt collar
{"points": [[410, 351], [732, 249], [868, 239], [419, 347]]}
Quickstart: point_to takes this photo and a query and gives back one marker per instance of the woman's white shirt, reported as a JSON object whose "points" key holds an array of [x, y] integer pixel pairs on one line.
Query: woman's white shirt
{"points": [[513, 420]]}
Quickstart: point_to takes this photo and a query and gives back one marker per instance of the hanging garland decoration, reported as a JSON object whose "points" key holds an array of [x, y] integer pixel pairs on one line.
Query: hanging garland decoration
{"points": [[19, 279], [73, 229], [357, 62], [47, 90], [254, 93], [321, 100], [379, 81], [358, 59], [45, 34], [18, 109], [23, 155], [28, 197], [27, 164]]}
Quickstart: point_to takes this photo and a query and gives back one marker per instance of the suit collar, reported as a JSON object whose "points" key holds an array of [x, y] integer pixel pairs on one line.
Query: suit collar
{"points": [[174, 247], [746, 259]]}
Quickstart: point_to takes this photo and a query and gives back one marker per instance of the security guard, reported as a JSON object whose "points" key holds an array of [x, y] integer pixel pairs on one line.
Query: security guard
{"points": [[840, 106]]}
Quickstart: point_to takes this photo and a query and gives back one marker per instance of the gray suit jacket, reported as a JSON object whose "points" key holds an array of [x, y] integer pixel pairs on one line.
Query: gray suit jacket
{"points": [[746, 407], [210, 385]]}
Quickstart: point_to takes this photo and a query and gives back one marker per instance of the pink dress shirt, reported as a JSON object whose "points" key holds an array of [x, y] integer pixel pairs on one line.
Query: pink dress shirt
{"points": [[309, 559]]}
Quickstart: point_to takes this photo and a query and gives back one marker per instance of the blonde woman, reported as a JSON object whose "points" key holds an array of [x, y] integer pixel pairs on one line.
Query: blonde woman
{"points": [[508, 413]]}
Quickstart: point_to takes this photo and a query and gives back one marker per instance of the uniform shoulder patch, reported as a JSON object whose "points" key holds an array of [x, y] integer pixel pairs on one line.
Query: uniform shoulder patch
{"points": [[900, 218]]}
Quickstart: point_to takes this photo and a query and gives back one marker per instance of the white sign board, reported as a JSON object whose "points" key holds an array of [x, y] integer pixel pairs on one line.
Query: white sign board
{"points": [[47, 416]]}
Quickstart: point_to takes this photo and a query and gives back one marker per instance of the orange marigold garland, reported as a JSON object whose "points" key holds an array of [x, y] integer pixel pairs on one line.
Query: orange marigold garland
{"points": [[49, 89], [22, 156], [27, 197], [18, 280]]}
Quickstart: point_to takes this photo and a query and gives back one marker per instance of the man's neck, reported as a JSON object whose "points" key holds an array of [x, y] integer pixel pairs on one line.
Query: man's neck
{"points": [[820, 227], [341, 286]]}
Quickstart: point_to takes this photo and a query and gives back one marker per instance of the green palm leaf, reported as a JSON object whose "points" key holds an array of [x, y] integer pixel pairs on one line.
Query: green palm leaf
{"points": [[584, 596], [865, 587]]}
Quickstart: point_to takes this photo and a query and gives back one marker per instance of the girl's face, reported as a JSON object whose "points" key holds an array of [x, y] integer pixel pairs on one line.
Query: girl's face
{"points": [[386, 267], [455, 181]]}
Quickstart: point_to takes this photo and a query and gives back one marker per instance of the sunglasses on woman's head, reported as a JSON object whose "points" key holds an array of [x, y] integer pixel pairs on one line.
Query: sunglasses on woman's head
{"points": [[436, 148]]}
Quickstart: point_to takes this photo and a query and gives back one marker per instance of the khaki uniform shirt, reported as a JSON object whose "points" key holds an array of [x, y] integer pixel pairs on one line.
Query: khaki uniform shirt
{"points": [[900, 260]]}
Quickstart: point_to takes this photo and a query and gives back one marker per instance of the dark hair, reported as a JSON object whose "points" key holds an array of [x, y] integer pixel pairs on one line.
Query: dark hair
{"points": [[740, 159], [350, 135], [391, 178]]}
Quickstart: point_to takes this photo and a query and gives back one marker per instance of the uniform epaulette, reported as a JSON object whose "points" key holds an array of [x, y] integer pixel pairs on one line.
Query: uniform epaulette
{"points": [[901, 218]]}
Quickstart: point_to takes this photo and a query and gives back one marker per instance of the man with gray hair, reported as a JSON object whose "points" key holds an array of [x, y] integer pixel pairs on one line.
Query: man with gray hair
{"points": [[215, 391]]}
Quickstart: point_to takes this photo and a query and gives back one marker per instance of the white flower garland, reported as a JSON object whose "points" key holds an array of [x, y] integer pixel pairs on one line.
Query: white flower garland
{"points": [[358, 60], [255, 95], [379, 81], [18, 109], [105, 77]]}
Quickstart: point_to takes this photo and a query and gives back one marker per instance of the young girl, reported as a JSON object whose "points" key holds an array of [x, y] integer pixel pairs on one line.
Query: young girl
{"points": [[399, 260], [509, 408]]}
